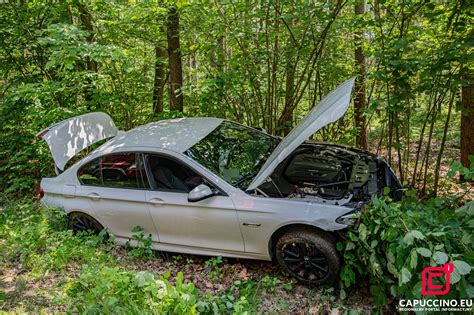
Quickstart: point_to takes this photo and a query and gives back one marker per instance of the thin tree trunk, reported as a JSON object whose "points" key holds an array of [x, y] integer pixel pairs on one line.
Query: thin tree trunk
{"points": [[175, 62], [359, 99], [286, 117], [443, 142], [91, 65], [160, 79], [467, 122]]}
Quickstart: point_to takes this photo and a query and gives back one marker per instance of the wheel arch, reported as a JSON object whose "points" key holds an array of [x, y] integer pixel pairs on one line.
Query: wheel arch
{"points": [[282, 230], [70, 213]]}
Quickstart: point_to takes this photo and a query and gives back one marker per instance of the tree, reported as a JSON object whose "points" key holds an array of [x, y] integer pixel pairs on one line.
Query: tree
{"points": [[175, 62], [91, 65], [467, 121], [159, 80], [359, 98]]}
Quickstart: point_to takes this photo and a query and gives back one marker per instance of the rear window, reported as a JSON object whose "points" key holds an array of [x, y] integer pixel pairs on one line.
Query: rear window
{"points": [[122, 170]]}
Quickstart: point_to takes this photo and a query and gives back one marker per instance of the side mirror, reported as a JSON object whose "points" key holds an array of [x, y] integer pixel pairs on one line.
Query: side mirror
{"points": [[199, 193]]}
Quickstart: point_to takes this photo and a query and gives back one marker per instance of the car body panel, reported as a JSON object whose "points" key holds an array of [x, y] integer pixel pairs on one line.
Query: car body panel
{"points": [[210, 223], [69, 137], [260, 217], [330, 109], [122, 209]]}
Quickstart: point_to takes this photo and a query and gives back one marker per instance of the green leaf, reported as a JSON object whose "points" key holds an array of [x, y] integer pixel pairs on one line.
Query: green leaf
{"points": [[413, 259], [425, 252], [454, 277], [350, 245], [363, 232], [392, 269], [462, 267], [411, 236], [440, 258], [405, 276], [390, 257]]}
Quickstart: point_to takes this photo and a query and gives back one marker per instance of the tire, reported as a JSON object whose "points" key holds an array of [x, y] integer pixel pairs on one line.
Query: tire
{"points": [[309, 256], [81, 222]]}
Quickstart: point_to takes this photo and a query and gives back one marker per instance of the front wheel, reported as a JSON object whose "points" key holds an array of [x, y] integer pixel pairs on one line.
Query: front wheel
{"points": [[309, 256]]}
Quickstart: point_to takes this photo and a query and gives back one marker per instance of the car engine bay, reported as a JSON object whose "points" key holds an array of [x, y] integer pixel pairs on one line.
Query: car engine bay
{"points": [[331, 174]]}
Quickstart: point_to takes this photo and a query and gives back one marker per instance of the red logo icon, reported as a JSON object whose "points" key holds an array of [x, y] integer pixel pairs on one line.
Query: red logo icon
{"points": [[430, 273]]}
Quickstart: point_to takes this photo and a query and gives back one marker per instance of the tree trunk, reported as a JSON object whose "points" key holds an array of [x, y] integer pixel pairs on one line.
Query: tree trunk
{"points": [[286, 118], [359, 99], [175, 62], [91, 65], [160, 79], [467, 122]]}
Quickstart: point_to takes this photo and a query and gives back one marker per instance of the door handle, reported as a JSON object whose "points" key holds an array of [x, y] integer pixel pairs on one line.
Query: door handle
{"points": [[94, 196], [251, 224], [157, 201]]}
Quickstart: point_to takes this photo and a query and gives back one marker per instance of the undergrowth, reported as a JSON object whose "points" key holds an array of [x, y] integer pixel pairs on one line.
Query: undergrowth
{"points": [[392, 243]]}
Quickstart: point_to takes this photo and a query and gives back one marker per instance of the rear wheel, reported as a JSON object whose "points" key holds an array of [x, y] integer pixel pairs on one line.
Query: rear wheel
{"points": [[81, 222], [309, 256]]}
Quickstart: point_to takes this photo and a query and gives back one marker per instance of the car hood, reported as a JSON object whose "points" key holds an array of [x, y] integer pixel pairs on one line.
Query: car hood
{"points": [[330, 109], [69, 137]]}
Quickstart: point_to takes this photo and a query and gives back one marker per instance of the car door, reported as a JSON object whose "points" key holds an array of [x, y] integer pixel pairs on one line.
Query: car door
{"points": [[207, 224], [115, 186]]}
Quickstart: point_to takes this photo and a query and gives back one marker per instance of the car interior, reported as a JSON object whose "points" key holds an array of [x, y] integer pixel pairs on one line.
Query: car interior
{"points": [[171, 176]]}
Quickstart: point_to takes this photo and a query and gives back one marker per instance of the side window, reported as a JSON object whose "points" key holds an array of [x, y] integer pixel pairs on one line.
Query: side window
{"points": [[90, 174], [122, 170], [169, 175]]}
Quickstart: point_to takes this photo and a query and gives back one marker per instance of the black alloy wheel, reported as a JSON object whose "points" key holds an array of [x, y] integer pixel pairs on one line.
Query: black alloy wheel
{"points": [[308, 256]]}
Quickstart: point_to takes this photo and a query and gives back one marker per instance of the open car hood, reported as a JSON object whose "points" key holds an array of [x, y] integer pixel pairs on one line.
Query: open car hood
{"points": [[69, 137], [330, 109]]}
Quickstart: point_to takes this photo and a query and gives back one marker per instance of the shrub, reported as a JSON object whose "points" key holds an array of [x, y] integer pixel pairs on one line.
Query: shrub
{"points": [[111, 290], [394, 241]]}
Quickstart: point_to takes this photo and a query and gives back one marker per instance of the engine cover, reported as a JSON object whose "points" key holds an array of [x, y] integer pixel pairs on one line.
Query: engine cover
{"points": [[309, 167]]}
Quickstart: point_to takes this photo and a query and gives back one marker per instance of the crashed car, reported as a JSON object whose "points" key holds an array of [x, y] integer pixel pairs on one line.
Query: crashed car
{"points": [[210, 186]]}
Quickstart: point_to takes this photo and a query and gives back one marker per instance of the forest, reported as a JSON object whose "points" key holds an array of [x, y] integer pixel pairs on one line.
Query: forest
{"points": [[265, 64]]}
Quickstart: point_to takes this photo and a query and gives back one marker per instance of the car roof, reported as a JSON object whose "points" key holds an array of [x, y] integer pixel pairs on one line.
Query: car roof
{"points": [[174, 134]]}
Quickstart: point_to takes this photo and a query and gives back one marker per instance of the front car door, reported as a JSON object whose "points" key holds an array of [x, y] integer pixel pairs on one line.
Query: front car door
{"points": [[207, 224]]}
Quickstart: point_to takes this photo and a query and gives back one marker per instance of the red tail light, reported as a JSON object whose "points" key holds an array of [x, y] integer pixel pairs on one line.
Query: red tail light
{"points": [[41, 193]]}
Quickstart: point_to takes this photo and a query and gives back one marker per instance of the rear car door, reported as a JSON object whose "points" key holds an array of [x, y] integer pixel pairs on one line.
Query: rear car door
{"points": [[114, 185], [211, 223]]}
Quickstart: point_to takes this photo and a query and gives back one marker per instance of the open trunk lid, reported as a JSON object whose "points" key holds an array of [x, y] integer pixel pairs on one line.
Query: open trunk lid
{"points": [[330, 109], [67, 138]]}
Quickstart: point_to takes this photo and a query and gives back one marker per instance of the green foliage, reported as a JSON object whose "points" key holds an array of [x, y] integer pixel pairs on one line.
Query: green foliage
{"points": [[214, 265], [247, 61], [140, 246], [111, 290], [394, 241], [39, 239], [466, 172]]}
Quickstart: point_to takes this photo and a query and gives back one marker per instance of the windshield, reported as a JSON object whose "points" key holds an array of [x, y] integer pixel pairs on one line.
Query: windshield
{"points": [[233, 152]]}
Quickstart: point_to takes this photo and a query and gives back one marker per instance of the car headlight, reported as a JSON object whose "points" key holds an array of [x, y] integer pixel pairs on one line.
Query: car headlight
{"points": [[348, 218]]}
